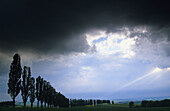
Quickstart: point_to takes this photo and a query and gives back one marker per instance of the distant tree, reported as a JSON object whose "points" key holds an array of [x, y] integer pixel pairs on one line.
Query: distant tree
{"points": [[144, 103], [166, 102], [50, 95], [63, 101], [77, 102], [55, 99], [91, 102], [94, 102], [163, 103], [108, 101], [38, 89], [14, 81], [32, 91], [112, 102], [98, 101], [131, 104], [53, 92], [48, 87], [45, 94], [41, 91], [25, 84]]}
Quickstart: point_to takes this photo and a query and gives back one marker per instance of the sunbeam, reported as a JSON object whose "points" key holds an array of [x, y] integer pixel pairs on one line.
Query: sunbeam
{"points": [[153, 75]]}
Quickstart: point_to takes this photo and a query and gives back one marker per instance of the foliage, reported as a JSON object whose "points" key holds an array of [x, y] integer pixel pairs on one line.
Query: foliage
{"points": [[38, 89], [14, 81], [62, 100], [32, 91], [26, 79], [82, 102], [131, 104], [48, 95], [45, 94], [41, 91], [163, 103]]}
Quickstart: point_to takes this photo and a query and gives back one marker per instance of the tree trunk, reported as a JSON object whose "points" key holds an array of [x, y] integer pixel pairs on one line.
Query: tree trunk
{"points": [[41, 104], [31, 104], [37, 103], [45, 104], [13, 104], [24, 103]]}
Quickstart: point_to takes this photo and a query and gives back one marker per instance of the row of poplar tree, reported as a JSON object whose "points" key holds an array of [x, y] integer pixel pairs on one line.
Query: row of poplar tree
{"points": [[42, 90]]}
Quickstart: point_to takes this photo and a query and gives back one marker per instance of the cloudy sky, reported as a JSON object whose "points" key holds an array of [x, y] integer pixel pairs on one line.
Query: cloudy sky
{"points": [[106, 49]]}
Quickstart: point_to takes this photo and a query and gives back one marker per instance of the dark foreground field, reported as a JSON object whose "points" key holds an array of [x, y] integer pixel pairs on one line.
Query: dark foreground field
{"points": [[88, 108]]}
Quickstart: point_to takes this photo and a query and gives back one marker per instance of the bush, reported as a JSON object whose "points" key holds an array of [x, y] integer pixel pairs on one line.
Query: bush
{"points": [[131, 104]]}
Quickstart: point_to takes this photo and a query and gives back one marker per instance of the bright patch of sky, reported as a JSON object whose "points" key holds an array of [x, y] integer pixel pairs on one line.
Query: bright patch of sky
{"points": [[112, 43]]}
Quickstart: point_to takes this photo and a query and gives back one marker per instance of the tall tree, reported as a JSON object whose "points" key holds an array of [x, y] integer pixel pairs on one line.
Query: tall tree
{"points": [[39, 84], [45, 93], [26, 78], [14, 81], [41, 91], [32, 91], [48, 93], [55, 99], [38, 89]]}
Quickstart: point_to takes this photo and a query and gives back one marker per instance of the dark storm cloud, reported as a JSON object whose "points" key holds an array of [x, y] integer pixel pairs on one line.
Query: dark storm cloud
{"points": [[59, 27]]}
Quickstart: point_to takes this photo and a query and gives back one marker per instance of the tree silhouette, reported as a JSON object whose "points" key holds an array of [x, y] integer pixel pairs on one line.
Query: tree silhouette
{"points": [[131, 104], [45, 94], [49, 94], [41, 91], [52, 96], [163, 103], [39, 84], [91, 102], [38, 95], [14, 81], [62, 100], [55, 99], [26, 78], [32, 91]]}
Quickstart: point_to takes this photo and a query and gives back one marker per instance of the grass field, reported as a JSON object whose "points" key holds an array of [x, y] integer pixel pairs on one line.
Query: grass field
{"points": [[116, 107]]}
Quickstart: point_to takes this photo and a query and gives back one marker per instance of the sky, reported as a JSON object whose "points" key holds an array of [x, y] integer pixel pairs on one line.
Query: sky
{"points": [[99, 49]]}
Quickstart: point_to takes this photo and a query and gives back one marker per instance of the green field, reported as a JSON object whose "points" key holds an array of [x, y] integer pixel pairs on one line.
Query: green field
{"points": [[116, 107]]}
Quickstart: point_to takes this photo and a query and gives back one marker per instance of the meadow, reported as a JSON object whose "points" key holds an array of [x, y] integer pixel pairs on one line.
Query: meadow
{"points": [[116, 107]]}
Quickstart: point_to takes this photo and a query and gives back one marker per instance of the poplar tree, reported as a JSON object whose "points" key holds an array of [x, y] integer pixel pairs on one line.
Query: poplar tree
{"points": [[14, 81], [32, 91], [41, 91], [45, 94], [39, 86], [26, 78]]}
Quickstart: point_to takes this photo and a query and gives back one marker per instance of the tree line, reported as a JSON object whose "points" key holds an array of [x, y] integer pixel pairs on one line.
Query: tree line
{"points": [[82, 102], [163, 103], [30, 88], [145, 103]]}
